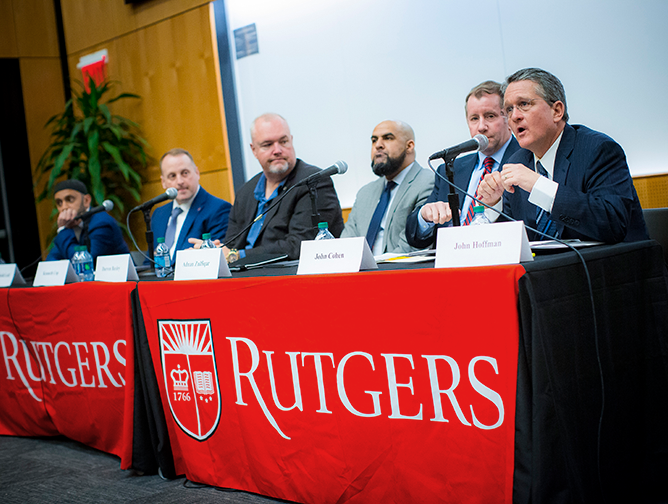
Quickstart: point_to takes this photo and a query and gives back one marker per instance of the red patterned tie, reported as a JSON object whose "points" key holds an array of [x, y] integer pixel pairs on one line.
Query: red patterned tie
{"points": [[487, 164]]}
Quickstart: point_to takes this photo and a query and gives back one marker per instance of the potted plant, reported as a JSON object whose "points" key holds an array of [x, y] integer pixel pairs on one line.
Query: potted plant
{"points": [[89, 143]]}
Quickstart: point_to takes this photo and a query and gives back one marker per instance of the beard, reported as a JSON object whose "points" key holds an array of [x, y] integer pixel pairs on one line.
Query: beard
{"points": [[279, 169], [388, 167]]}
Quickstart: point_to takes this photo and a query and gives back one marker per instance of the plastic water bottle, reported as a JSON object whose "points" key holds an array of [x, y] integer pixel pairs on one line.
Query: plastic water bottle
{"points": [[206, 242], [76, 263], [86, 265], [479, 216], [323, 232], [163, 264]]}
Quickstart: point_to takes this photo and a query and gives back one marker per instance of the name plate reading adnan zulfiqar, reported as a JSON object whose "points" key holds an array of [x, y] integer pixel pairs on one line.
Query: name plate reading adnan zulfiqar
{"points": [[54, 273], [207, 264], [342, 255], [486, 245], [115, 268]]}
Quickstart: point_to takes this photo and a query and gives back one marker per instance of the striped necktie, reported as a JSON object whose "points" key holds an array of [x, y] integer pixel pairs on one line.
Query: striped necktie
{"points": [[487, 164], [544, 222]]}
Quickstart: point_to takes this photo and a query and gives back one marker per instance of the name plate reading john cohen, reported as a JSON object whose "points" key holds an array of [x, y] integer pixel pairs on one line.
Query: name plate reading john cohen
{"points": [[342, 255], [487, 245]]}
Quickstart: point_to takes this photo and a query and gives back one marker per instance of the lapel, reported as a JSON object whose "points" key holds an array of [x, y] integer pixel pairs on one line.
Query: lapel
{"points": [[193, 213], [401, 191], [371, 203], [561, 161]]}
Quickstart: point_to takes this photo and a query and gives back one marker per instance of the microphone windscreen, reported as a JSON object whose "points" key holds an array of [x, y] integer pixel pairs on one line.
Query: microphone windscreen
{"points": [[171, 192], [483, 141], [108, 205], [342, 166]]}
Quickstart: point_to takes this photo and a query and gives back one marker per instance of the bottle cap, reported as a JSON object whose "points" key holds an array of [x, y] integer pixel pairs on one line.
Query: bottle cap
{"points": [[206, 236], [322, 225], [161, 240], [478, 209]]}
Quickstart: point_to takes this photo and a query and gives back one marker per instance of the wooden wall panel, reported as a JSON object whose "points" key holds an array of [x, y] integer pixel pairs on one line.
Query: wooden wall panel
{"points": [[36, 32], [8, 45], [43, 96], [92, 22], [652, 190]]}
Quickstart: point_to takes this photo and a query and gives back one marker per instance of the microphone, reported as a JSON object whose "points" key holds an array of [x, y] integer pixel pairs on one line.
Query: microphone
{"points": [[170, 193], [478, 142], [339, 167], [106, 206]]}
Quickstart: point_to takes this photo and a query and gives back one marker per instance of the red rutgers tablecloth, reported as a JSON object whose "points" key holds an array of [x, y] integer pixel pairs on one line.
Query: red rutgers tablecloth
{"points": [[372, 387]]}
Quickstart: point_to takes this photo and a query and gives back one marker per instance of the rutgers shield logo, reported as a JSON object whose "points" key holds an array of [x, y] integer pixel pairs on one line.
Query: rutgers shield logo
{"points": [[191, 379]]}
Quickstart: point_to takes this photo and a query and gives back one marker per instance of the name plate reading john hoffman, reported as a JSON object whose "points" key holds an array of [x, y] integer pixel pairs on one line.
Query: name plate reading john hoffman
{"points": [[207, 264], [487, 245], [342, 255]]}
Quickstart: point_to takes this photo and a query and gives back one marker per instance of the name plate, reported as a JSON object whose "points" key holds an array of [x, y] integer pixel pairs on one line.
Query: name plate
{"points": [[10, 275], [487, 245], [207, 264], [342, 255], [115, 268], [54, 273]]}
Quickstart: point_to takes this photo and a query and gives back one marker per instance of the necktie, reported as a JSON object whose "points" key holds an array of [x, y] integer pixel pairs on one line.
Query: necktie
{"points": [[487, 164], [171, 228], [543, 221], [378, 214]]}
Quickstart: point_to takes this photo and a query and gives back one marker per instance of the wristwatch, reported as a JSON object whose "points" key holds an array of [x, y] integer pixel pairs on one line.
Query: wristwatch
{"points": [[233, 255]]}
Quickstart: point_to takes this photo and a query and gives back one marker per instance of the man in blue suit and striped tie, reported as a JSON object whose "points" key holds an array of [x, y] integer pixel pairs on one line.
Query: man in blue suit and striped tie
{"points": [[485, 116], [193, 212]]}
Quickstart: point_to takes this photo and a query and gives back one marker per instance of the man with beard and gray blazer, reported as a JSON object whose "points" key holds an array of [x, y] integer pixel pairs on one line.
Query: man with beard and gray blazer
{"points": [[382, 206], [484, 115]]}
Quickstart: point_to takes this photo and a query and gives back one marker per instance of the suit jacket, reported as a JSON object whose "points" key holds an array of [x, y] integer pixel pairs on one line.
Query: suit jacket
{"points": [[463, 168], [207, 214], [411, 194], [596, 199], [289, 222], [103, 232]]}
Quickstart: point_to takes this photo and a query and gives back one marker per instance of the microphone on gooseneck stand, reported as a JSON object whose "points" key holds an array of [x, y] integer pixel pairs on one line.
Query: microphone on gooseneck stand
{"points": [[145, 207], [478, 142], [106, 206], [170, 194], [339, 167]]}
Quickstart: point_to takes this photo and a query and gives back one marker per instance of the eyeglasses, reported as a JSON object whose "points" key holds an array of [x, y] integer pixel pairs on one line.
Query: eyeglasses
{"points": [[522, 106]]}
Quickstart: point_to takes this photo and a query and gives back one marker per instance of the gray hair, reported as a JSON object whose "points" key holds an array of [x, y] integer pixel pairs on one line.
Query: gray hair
{"points": [[269, 116], [548, 86]]}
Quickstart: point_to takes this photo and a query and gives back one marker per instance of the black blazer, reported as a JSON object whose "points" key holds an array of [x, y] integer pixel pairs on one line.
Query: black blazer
{"points": [[289, 223]]}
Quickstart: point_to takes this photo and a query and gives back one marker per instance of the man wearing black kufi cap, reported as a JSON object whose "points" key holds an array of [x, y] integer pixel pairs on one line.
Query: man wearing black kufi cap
{"points": [[100, 233]]}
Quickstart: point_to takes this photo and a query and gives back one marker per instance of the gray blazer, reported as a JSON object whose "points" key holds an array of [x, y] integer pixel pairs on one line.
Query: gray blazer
{"points": [[411, 194]]}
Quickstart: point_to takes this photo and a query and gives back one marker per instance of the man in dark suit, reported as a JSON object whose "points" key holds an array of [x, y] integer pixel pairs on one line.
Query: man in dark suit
{"points": [[100, 232], [566, 181], [484, 115], [193, 212], [281, 230]]}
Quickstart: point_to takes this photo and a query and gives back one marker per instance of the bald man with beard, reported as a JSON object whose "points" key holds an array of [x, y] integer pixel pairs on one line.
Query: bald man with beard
{"points": [[382, 206]]}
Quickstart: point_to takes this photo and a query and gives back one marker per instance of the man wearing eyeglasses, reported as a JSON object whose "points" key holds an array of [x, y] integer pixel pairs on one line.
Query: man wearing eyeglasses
{"points": [[566, 181], [484, 115]]}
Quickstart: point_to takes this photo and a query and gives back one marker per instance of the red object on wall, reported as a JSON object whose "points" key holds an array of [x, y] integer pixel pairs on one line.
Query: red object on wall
{"points": [[96, 71]]}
